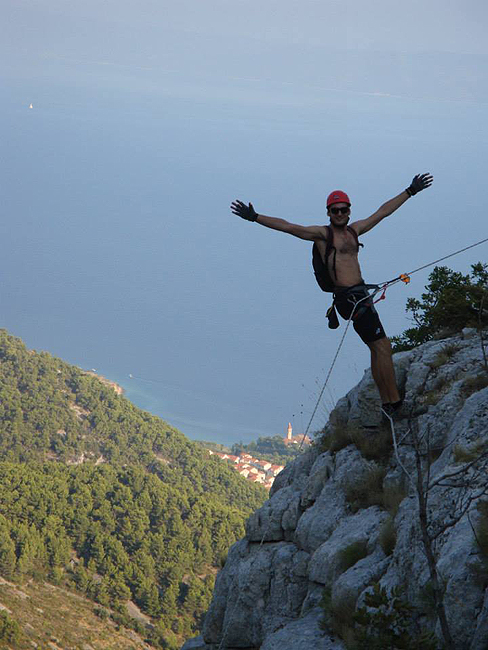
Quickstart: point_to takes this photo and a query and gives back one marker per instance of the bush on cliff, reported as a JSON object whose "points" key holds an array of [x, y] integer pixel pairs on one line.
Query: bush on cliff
{"points": [[451, 302]]}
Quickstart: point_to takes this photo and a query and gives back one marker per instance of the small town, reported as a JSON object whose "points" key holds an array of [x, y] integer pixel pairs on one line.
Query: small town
{"points": [[257, 470]]}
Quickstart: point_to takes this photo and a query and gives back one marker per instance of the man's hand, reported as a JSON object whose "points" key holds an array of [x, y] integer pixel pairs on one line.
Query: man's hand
{"points": [[419, 183], [244, 211]]}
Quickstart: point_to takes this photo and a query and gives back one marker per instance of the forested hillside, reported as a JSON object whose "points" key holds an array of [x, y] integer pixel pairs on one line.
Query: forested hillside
{"points": [[110, 500]]}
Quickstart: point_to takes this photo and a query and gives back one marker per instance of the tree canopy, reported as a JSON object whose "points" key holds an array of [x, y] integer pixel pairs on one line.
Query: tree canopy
{"points": [[450, 302], [108, 499]]}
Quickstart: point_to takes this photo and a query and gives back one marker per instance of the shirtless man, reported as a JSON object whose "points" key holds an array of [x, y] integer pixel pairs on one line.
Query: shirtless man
{"points": [[343, 266]]}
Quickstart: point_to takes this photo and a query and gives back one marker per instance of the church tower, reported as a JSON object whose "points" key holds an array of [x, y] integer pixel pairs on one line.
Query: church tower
{"points": [[289, 432]]}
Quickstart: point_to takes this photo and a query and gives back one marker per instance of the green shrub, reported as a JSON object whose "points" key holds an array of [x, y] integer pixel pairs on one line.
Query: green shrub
{"points": [[338, 615], [373, 445], [482, 528], [474, 384], [444, 355], [339, 437], [393, 495], [9, 629], [385, 622], [428, 601], [352, 553], [468, 454], [101, 612], [479, 572], [387, 537], [451, 298], [432, 397], [367, 490], [479, 568], [388, 622], [223, 559]]}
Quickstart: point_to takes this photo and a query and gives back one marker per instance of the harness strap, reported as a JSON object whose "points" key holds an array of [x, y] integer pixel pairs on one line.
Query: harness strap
{"points": [[363, 304]]}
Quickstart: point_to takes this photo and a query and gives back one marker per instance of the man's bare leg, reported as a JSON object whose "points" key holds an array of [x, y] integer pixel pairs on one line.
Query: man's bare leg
{"points": [[383, 370]]}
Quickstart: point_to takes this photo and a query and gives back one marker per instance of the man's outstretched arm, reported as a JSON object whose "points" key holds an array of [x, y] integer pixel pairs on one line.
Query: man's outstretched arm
{"points": [[248, 212], [420, 182]]}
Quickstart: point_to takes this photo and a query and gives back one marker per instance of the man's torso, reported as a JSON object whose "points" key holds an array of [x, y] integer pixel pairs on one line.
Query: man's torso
{"points": [[347, 270]]}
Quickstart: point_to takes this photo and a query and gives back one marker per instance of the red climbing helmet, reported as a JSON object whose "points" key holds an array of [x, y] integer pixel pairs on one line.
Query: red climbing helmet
{"points": [[337, 196]]}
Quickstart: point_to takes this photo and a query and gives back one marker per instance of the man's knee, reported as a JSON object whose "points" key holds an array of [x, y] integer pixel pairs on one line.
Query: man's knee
{"points": [[381, 346]]}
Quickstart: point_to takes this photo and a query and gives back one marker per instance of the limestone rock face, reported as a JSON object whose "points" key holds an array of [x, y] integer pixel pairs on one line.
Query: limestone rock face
{"points": [[347, 494]]}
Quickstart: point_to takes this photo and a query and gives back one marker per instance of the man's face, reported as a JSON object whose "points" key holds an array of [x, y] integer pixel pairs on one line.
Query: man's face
{"points": [[339, 214]]}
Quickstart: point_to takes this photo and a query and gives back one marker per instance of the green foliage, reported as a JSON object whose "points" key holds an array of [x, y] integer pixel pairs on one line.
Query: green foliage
{"points": [[338, 615], [373, 445], [440, 388], [337, 437], [367, 490], [384, 622], [352, 553], [427, 600], [101, 612], [271, 448], [444, 355], [393, 495], [9, 629], [8, 557], [468, 454], [451, 300], [387, 537], [388, 621], [473, 384], [482, 528], [149, 523]]}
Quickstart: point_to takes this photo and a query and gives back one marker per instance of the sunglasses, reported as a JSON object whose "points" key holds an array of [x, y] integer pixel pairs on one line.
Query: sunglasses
{"points": [[341, 210]]}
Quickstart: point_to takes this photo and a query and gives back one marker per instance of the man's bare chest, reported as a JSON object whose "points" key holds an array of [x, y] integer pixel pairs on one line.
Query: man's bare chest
{"points": [[345, 244]]}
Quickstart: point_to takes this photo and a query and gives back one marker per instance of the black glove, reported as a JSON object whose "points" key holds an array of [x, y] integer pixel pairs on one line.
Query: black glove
{"points": [[244, 211], [419, 183]]}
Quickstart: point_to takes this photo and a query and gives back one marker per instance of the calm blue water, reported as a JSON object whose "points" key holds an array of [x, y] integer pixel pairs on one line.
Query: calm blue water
{"points": [[118, 251]]}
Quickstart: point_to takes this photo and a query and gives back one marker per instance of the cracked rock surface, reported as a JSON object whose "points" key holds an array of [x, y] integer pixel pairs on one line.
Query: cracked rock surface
{"points": [[267, 596]]}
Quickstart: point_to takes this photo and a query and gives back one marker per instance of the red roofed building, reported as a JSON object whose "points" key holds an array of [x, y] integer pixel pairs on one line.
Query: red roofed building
{"points": [[290, 439]]}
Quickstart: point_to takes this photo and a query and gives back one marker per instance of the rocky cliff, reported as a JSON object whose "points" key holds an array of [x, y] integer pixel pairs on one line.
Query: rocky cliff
{"points": [[347, 514]]}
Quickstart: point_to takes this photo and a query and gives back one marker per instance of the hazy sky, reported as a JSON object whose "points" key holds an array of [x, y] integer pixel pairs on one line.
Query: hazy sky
{"points": [[118, 249]]}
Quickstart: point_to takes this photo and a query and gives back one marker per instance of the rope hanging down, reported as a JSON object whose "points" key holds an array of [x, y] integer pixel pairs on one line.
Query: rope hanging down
{"points": [[335, 359], [403, 277]]}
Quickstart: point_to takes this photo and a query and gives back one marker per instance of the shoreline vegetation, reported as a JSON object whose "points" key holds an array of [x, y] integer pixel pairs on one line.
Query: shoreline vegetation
{"points": [[106, 382]]}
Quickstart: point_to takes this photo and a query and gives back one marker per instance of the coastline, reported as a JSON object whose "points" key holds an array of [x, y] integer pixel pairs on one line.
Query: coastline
{"points": [[107, 382]]}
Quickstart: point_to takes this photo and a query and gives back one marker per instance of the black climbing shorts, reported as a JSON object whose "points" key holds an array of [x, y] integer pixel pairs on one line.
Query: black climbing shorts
{"points": [[365, 320]]}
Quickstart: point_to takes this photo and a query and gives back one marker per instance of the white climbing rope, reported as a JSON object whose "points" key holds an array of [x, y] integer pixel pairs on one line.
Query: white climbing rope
{"points": [[372, 295], [395, 445]]}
